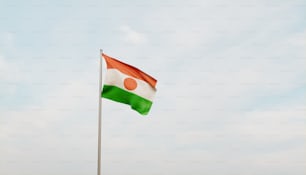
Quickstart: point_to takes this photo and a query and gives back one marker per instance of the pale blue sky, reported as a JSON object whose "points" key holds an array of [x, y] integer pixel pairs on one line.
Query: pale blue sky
{"points": [[231, 87]]}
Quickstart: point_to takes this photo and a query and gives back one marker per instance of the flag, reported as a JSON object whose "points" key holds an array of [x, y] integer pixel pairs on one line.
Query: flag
{"points": [[129, 85]]}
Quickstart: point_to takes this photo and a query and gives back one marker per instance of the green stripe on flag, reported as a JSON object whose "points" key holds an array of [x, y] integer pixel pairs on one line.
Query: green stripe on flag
{"points": [[136, 102]]}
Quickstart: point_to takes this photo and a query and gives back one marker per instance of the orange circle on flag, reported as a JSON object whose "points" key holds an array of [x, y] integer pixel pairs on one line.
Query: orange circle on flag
{"points": [[130, 84]]}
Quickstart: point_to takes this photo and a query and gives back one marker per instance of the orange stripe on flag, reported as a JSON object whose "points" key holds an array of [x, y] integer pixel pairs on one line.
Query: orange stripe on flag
{"points": [[113, 63]]}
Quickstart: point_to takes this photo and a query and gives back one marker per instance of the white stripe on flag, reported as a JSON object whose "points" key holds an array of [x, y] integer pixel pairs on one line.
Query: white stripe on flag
{"points": [[116, 78]]}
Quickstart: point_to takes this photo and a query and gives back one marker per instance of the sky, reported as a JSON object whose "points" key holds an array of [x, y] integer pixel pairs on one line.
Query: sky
{"points": [[230, 94]]}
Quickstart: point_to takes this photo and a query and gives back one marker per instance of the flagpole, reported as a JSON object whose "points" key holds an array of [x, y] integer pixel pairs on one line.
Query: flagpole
{"points": [[100, 116]]}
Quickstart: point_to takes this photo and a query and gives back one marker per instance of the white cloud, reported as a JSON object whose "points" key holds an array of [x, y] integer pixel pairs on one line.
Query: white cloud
{"points": [[3, 67], [8, 71], [10, 76], [39, 129], [281, 125], [131, 36], [7, 41], [67, 99]]}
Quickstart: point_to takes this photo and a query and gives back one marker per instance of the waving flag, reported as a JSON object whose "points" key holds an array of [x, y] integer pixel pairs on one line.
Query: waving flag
{"points": [[129, 85]]}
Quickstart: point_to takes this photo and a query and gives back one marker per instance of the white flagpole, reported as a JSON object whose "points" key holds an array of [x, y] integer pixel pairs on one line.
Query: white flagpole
{"points": [[100, 115]]}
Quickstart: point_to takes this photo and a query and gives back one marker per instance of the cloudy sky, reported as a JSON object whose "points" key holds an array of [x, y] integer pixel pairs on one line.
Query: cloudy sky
{"points": [[231, 86]]}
